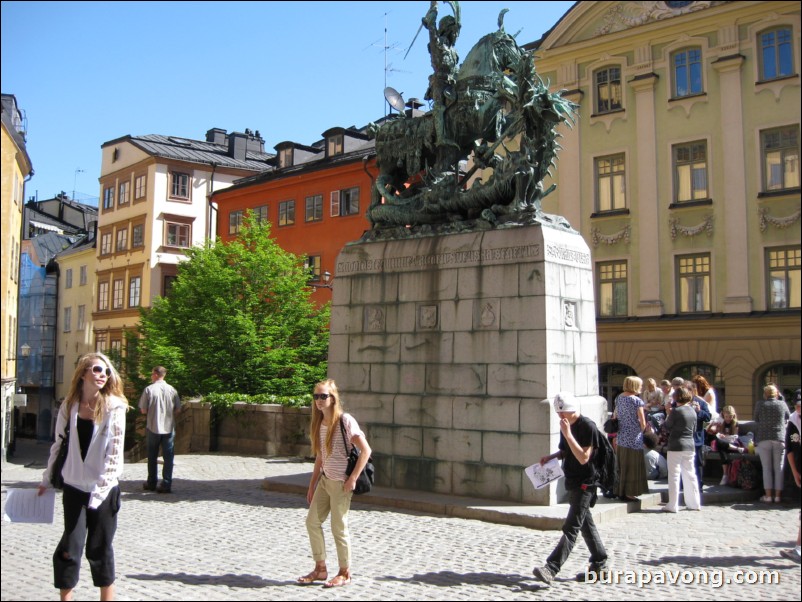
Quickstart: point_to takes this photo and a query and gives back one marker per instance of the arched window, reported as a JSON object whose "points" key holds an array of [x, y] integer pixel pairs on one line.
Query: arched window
{"points": [[611, 381], [711, 373], [785, 376]]}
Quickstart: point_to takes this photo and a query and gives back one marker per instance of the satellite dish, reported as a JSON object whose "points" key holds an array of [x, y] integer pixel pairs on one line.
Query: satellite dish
{"points": [[394, 98]]}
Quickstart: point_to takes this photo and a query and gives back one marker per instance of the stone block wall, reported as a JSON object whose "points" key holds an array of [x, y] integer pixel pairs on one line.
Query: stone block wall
{"points": [[447, 349]]}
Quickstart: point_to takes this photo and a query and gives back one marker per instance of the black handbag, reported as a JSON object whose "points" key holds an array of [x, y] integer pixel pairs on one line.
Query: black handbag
{"points": [[365, 479], [56, 480], [611, 426]]}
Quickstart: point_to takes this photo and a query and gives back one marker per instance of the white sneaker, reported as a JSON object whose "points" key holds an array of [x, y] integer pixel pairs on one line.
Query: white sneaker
{"points": [[725, 480]]}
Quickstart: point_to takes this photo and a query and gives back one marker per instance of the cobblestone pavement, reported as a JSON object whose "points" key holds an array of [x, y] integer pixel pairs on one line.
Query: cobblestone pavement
{"points": [[220, 536]]}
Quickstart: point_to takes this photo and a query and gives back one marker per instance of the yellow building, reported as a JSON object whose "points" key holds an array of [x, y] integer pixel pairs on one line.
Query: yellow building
{"points": [[76, 301], [682, 172], [16, 168], [154, 205]]}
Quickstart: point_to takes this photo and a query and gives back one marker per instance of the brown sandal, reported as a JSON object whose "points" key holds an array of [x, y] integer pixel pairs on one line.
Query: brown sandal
{"points": [[339, 580], [316, 575]]}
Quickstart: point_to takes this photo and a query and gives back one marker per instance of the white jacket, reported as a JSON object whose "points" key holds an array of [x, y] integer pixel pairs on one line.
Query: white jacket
{"points": [[99, 472]]}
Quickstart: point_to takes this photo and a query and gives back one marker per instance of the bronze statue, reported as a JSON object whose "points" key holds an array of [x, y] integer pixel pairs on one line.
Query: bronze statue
{"points": [[493, 99]]}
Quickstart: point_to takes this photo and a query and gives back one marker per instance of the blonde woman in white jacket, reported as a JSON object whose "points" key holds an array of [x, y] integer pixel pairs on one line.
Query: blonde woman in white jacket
{"points": [[95, 410]]}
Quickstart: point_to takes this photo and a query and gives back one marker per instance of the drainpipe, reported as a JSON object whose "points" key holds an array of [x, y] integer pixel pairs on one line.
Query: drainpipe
{"points": [[211, 214]]}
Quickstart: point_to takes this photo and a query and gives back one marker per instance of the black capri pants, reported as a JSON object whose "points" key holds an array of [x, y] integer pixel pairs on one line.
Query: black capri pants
{"points": [[96, 529]]}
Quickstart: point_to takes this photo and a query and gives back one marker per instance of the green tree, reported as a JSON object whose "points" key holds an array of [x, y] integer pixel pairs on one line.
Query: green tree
{"points": [[238, 319]]}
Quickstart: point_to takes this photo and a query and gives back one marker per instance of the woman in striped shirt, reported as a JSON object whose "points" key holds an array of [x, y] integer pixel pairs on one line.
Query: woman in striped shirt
{"points": [[330, 490]]}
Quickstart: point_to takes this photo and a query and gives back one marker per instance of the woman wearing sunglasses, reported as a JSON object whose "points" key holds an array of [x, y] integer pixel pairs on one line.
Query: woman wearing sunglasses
{"points": [[330, 490], [95, 411]]}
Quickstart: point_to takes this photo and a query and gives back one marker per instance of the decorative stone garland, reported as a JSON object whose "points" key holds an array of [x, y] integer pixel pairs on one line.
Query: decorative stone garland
{"points": [[777, 222], [610, 239], [705, 226]]}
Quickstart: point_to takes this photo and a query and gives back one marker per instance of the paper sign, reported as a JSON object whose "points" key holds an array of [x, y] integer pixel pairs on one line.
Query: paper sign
{"points": [[543, 474], [24, 506]]}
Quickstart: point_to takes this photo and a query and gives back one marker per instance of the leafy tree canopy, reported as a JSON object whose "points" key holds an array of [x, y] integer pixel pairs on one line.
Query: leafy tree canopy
{"points": [[238, 319]]}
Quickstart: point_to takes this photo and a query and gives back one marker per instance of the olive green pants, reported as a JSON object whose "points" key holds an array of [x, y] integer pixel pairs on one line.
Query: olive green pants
{"points": [[330, 498]]}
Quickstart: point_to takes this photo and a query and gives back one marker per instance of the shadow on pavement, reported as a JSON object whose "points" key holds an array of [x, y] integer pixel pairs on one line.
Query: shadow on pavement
{"points": [[227, 580], [451, 579], [235, 491], [722, 562]]}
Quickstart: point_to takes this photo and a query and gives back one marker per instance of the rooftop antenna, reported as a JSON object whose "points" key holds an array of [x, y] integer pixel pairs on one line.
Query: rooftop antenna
{"points": [[74, 179]]}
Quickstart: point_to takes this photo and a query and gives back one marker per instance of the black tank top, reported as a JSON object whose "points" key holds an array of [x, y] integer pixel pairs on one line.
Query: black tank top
{"points": [[85, 430]]}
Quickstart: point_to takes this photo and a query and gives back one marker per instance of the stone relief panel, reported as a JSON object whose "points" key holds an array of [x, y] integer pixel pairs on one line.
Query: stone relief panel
{"points": [[428, 317], [374, 319], [487, 315]]}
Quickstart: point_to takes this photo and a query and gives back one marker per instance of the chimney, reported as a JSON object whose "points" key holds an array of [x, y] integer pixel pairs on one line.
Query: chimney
{"points": [[237, 145], [216, 136]]}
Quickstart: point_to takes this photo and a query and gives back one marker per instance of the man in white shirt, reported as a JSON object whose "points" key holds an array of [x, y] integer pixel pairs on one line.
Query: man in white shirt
{"points": [[160, 403]]}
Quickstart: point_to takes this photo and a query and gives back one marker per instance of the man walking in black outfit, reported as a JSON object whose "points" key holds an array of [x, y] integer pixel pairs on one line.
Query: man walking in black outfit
{"points": [[576, 449]]}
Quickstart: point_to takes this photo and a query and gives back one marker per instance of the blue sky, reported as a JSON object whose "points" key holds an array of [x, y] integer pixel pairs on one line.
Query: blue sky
{"points": [[89, 72]]}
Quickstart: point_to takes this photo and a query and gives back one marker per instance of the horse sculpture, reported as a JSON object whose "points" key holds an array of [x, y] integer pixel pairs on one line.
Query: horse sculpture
{"points": [[498, 98]]}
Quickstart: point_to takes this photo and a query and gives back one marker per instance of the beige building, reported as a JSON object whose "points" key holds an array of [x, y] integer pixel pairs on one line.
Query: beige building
{"points": [[16, 168], [682, 172], [76, 301], [154, 205]]}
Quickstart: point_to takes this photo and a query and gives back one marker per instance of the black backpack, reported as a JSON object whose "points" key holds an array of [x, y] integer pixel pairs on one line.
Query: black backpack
{"points": [[604, 462]]}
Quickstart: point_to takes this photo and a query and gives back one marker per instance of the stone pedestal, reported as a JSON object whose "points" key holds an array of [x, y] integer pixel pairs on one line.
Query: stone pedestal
{"points": [[448, 348]]}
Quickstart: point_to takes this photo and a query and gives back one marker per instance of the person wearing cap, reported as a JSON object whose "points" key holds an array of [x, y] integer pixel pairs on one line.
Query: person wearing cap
{"points": [[793, 450], [575, 449]]}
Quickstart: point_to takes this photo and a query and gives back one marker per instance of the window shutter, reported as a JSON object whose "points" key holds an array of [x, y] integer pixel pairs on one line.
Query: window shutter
{"points": [[335, 203]]}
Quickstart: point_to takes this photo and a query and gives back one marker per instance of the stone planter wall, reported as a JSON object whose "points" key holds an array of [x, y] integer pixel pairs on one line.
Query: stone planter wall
{"points": [[250, 429]]}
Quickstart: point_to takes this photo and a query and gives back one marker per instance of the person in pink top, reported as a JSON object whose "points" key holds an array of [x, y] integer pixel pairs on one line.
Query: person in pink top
{"points": [[330, 490]]}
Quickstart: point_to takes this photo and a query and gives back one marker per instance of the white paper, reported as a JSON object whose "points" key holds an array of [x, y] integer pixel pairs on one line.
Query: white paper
{"points": [[542, 475], [24, 506]]}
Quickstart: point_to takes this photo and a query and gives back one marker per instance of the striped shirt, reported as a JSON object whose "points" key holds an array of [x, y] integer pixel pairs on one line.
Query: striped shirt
{"points": [[334, 464]]}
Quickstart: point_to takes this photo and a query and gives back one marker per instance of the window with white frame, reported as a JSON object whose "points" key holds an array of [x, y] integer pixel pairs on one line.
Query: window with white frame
{"points": [[81, 323], [105, 243], [610, 183], [83, 276], [780, 153], [234, 222], [124, 192], [687, 72], [138, 236], [690, 171], [68, 278], [122, 239], [140, 187], [314, 208], [179, 185], [693, 283], [612, 288], [344, 202], [134, 291], [608, 89], [784, 278], [177, 235], [286, 213], [103, 295], [108, 197], [101, 342], [117, 295], [67, 319], [776, 56]]}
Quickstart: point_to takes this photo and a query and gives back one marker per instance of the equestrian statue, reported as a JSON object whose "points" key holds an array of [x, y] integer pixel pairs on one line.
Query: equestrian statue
{"points": [[492, 117]]}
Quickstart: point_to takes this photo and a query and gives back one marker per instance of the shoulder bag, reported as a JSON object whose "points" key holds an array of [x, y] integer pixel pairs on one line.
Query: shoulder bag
{"points": [[365, 480], [56, 480]]}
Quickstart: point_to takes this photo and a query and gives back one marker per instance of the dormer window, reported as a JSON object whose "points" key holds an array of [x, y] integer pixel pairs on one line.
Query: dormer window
{"points": [[334, 145], [285, 157]]}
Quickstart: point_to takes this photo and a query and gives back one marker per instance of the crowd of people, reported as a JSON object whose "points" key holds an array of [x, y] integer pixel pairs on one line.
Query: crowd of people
{"points": [[674, 426]]}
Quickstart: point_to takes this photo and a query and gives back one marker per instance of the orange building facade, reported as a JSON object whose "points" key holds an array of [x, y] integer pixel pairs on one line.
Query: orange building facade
{"points": [[315, 201]]}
